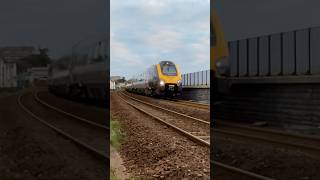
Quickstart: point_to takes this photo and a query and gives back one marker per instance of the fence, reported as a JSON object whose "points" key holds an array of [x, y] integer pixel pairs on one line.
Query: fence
{"points": [[284, 54], [196, 79]]}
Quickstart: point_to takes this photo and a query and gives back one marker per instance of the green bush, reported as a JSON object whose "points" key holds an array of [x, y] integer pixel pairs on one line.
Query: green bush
{"points": [[116, 136]]}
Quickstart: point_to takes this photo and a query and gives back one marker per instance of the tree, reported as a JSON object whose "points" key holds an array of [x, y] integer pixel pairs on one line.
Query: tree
{"points": [[38, 60]]}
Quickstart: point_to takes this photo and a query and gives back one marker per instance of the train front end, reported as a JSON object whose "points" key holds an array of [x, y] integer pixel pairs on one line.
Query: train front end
{"points": [[170, 81]]}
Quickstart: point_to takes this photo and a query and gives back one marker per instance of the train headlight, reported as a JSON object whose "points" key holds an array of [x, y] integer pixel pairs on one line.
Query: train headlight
{"points": [[222, 66], [179, 82], [161, 83]]}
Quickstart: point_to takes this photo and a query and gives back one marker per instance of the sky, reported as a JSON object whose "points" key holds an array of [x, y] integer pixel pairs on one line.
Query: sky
{"points": [[249, 18], [55, 24], [144, 32]]}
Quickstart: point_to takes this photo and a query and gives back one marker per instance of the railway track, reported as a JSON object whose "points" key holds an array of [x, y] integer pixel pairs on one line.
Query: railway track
{"points": [[85, 133], [308, 144], [201, 106], [149, 109], [196, 129], [304, 143]]}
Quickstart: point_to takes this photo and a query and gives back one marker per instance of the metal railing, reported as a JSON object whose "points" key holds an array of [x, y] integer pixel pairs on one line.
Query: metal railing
{"points": [[196, 79]]}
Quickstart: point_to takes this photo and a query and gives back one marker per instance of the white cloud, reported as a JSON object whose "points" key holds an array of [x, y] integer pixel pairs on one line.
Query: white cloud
{"points": [[145, 31], [164, 39]]}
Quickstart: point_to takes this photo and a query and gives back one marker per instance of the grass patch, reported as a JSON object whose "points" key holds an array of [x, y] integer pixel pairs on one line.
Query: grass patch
{"points": [[116, 136], [112, 177]]}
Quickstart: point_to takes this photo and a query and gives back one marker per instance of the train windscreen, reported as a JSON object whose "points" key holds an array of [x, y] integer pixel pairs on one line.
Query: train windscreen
{"points": [[169, 69]]}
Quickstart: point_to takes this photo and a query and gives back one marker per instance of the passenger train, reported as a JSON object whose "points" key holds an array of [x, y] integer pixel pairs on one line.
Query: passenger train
{"points": [[84, 74], [162, 79], [219, 48]]}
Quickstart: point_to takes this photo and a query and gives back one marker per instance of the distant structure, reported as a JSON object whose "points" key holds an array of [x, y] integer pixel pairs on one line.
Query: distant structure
{"points": [[8, 74], [38, 73], [118, 81], [14, 54], [115, 78], [112, 85], [21, 65]]}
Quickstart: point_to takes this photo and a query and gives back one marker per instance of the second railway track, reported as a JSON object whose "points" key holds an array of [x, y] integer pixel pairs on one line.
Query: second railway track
{"points": [[307, 144], [202, 106], [196, 129], [168, 119], [91, 136]]}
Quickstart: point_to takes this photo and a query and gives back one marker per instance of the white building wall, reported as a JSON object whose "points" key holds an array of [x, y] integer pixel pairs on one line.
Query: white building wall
{"points": [[8, 74], [112, 85]]}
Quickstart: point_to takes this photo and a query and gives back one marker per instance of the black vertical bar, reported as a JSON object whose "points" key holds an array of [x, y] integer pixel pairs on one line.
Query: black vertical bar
{"points": [[295, 52], [258, 56], [201, 77], [187, 81], [247, 74], [237, 59], [198, 77], [269, 55], [281, 54], [206, 77], [309, 51], [194, 79]]}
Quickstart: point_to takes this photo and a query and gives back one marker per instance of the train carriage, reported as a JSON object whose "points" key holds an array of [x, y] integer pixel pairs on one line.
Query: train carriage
{"points": [[163, 79], [83, 75]]}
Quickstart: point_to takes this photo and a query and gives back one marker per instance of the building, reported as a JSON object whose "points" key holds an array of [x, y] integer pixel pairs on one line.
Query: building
{"points": [[115, 78], [8, 74], [112, 85], [38, 73], [120, 85], [14, 54]]}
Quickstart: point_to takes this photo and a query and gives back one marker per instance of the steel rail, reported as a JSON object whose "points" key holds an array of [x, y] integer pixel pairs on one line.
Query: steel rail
{"points": [[242, 172], [281, 133], [97, 153], [313, 149], [202, 106], [69, 114], [189, 135], [200, 141], [168, 110]]}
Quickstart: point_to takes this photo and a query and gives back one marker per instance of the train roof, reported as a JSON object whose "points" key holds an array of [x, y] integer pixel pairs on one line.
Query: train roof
{"points": [[166, 62]]}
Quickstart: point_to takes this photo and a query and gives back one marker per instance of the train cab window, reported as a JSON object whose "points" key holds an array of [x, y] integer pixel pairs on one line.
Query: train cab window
{"points": [[168, 69], [213, 37]]}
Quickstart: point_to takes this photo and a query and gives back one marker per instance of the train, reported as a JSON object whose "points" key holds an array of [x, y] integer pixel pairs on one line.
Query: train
{"points": [[84, 74], [219, 49], [161, 79]]}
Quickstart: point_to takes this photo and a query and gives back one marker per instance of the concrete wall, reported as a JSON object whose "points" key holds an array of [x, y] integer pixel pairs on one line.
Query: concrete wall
{"points": [[283, 54], [281, 105], [196, 94], [196, 79]]}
